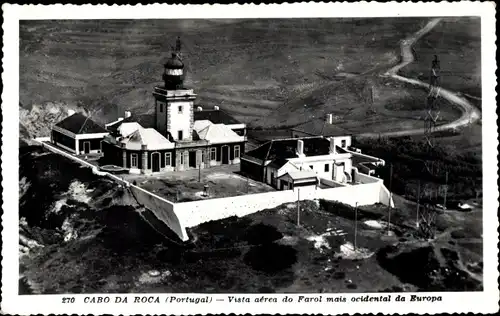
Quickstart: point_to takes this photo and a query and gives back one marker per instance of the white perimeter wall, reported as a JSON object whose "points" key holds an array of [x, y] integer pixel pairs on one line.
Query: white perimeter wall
{"points": [[163, 210], [179, 216], [197, 212], [364, 178]]}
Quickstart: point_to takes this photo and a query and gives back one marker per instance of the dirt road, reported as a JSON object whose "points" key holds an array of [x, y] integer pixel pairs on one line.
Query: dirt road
{"points": [[470, 113]]}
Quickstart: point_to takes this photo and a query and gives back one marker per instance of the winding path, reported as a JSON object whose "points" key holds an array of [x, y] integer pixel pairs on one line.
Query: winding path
{"points": [[470, 113]]}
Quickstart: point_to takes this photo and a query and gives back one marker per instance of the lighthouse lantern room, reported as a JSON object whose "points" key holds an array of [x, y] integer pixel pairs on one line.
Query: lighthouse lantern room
{"points": [[174, 103]]}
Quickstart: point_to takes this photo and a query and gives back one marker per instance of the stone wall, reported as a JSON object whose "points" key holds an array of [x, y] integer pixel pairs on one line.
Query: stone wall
{"points": [[179, 216], [363, 194], [197, 212], [161, 208], [364, 178]]}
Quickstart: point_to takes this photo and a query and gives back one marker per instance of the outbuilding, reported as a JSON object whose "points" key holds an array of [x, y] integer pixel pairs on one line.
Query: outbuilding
{"points": [[292, 180], [78, 134]]}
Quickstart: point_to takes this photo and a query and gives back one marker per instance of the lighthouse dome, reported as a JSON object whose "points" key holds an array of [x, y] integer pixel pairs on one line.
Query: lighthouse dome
{"points": [[174, 62]]}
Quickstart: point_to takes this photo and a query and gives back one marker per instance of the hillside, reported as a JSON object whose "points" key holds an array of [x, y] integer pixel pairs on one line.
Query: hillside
{"points": [[263, 71], [80, 233], [457, 42]]}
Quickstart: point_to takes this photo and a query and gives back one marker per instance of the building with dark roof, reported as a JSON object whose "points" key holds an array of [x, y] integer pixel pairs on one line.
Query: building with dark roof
{"points": [[146, 120], [218, 116], [78, 134], [288, 163]]}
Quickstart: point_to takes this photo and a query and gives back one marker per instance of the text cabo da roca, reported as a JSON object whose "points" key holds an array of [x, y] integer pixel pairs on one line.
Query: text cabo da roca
{"points": [[156, 299]]}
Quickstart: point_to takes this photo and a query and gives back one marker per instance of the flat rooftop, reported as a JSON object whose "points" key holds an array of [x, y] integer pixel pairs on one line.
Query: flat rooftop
{"points": [[184, 186]]}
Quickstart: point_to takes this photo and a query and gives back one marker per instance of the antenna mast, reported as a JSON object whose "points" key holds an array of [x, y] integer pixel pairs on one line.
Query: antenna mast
{"points": [[432, 106], [178, 47]]}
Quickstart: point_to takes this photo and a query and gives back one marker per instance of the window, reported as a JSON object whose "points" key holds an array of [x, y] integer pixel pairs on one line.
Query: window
{"points": [[134, 161], [180, 109], [179, 135], [212, 153], [202, 157], [311, 167], [161, 107], [182, 159], [168, 159], [237, 151], [186, 158], [327, 167], [343, 143]]}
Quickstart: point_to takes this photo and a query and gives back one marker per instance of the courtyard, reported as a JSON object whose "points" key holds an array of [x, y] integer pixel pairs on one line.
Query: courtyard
{"points": [[192, 185]]}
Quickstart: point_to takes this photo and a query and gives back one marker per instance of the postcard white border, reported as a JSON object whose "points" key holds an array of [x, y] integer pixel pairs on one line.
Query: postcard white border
{"points": [[477, 302]]}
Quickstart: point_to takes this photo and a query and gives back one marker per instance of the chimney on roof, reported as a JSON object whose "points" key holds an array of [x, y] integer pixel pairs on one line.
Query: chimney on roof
{"points": [[216, 108], [300, 147], [199, 109], [128, 114], [333, 149], [329, 118]]}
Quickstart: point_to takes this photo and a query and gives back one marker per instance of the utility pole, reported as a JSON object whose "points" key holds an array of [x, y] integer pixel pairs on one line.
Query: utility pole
{"points": [[199, 172], [445, 190], [418, 201], [356, 226], [298, 207], [372, 96], [390, 206]]}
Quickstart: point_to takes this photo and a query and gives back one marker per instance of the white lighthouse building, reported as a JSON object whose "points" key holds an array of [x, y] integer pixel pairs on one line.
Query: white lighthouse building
{"points": [[175, 137]]}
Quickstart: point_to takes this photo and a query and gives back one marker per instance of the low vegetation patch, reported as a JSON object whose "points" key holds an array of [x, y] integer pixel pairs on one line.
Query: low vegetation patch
{"points": [[347, 211], [413, 161]]}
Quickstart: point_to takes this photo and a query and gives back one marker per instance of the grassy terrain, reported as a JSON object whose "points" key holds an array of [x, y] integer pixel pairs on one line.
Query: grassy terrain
{"points": [[268, 73], [457, 42], [413, 161], [265, 78], [263, 71]]}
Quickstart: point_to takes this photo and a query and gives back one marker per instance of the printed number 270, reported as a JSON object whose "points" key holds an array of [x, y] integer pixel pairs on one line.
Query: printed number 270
{"points": [[68, 300]]}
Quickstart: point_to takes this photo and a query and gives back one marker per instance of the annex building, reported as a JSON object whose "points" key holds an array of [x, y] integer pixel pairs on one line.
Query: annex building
{"points": [[288, 163], [78, 134]]}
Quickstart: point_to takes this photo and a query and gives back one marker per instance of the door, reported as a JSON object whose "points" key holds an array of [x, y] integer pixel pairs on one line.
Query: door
{"points": [[225, 155], [284, 185], [339, 171], [192, 159], [86, 147], [155, 161], [199, 158]]}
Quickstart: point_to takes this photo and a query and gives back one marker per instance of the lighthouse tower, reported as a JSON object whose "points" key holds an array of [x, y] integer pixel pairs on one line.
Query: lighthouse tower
{"points": [[174, 113]]}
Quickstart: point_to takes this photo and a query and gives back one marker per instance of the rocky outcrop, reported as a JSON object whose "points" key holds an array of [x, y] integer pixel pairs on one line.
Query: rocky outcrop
{"points": [[37, 120]]}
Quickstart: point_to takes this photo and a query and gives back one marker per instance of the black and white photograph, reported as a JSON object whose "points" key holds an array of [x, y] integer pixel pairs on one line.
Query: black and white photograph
{"points": [[264, 156]]}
